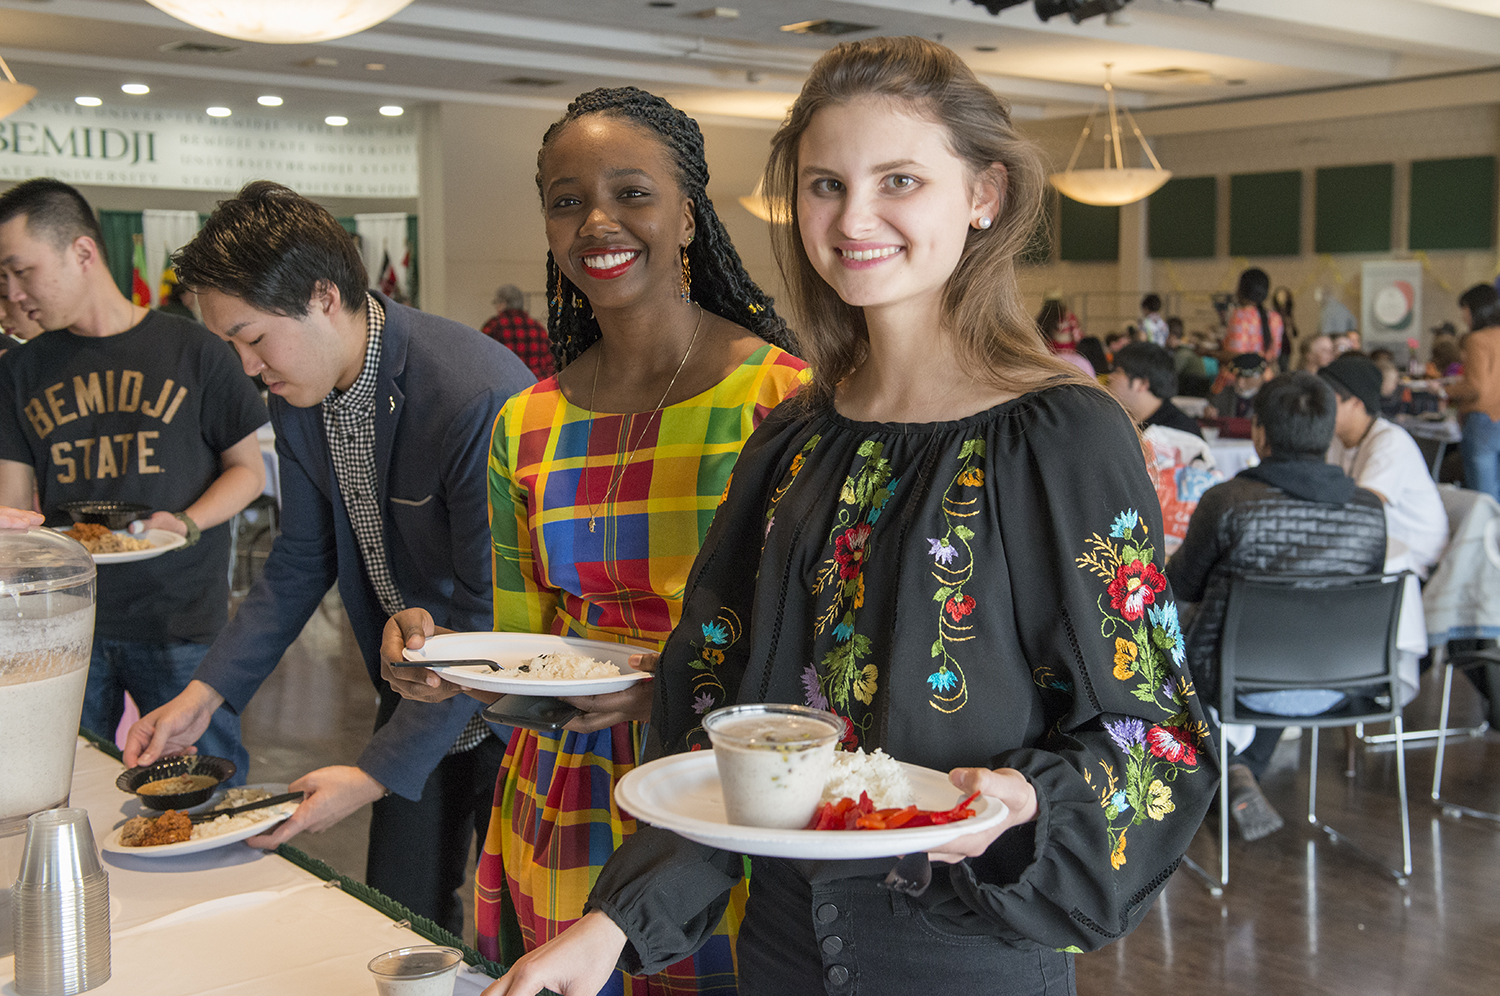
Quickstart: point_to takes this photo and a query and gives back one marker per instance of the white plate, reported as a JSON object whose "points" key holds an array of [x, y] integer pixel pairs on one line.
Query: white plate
{"points": [[161, 540], [112, 840], [514, 649], [681, 793]]}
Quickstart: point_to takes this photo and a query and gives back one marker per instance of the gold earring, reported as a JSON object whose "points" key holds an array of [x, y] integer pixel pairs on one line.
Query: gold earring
{"points": [[557, 298], [687, 277]]}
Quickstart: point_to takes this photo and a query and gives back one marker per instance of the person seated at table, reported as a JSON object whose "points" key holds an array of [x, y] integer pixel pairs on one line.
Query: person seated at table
{"points": [[1382, 458], [1292, 514], [1477, 395], [1315, 352], [1236, 400], [382, 416], [1059, 340], [1116, 341], [514, 328], [1143, 379], [1182, 467]]}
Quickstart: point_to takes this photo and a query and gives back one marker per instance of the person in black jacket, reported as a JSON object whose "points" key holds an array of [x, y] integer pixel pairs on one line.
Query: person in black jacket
{"points": [[1292, 514]]}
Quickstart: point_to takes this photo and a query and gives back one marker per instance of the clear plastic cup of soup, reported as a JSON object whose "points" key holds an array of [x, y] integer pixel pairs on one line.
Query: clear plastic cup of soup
{"points": [[424, 970], [773, 761]]}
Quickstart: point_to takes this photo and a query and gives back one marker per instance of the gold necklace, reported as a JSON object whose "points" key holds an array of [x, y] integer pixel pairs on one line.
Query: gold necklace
{"points": [[615, 481]]}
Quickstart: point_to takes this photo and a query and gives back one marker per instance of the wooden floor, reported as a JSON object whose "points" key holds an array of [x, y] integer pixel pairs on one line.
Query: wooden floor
{"points": [[1301, 915]]}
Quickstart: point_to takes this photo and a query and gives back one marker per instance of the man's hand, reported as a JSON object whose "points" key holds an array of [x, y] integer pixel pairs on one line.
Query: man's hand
{"points": [[19, 518], [160, 520], [603, 711], [409, 630], [173, 728], [1006, 784], [332, 794], [578, 962]]}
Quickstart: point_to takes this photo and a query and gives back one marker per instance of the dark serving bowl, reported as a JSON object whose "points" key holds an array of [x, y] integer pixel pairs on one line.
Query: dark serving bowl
{"points": [[110, 514], [221, 769]]}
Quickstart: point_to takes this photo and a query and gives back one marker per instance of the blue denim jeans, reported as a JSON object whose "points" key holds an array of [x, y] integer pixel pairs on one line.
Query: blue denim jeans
{"points": [[1481, 453], [153, 674]]}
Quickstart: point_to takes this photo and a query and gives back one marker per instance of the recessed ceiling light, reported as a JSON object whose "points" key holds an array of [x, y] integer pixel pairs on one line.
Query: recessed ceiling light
{"points": [[392, 110], [663, 4], [88, 101], [268, 101], [375, 67], [985, 48], [218, 112], [337, 120], [136, 89]]}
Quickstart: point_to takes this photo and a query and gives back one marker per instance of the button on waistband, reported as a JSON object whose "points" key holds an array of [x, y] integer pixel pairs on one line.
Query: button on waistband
{"points": [[832, 944], [827, 913]]}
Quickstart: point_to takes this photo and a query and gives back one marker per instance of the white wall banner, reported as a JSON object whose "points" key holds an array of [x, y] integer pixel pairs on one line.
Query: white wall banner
{"points": [[128, 147], [382, 237]]}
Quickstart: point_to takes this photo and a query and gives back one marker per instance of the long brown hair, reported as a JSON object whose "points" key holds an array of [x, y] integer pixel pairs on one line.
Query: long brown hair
{"points": [[982, 304]]}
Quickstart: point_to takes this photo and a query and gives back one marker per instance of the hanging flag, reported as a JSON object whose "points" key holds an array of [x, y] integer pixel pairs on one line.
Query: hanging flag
{"points": [[140, 291], [168, 281], [388, 282]]}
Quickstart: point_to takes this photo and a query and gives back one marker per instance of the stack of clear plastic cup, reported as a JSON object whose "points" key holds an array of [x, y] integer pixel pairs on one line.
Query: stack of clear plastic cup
{"points": [[61, 907]]}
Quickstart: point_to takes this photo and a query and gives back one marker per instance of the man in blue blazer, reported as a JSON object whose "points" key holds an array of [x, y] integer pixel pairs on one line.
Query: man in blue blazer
{"points": [[382, 417]]}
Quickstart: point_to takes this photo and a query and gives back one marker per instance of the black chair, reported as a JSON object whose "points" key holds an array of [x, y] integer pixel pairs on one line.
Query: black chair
{"points": [[1455, 658], [1304, 633]]}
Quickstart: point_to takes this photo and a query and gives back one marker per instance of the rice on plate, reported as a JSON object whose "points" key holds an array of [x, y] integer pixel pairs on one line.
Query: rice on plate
{"points": [[561, 666], [877, 773]]}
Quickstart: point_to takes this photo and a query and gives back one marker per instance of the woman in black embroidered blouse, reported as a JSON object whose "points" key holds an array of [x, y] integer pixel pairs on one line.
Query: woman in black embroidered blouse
{"points": [[953, 544]]}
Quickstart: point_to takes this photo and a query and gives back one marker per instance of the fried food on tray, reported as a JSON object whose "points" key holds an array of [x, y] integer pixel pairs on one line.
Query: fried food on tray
{"points": [[170, 827], [98, 539]]}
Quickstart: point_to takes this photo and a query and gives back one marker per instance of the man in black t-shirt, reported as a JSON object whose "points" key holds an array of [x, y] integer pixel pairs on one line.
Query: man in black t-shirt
{"points": [[125, 404]]}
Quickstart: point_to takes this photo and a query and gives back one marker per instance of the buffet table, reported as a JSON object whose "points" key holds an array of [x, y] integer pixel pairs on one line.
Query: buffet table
{"points": [[232, 920]]}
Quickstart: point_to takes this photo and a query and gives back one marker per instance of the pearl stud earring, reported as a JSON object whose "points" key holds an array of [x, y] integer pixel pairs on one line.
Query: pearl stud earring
{"points": [[984, 223]]}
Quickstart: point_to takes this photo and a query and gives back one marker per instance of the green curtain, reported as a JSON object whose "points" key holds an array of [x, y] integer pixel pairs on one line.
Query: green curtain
{"points": [[120, 229]]}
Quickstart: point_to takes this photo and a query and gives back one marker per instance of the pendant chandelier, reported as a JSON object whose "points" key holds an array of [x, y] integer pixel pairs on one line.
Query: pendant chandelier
{"points": [[13, 95], [281, 22], [758, 204], [1115, 183]]}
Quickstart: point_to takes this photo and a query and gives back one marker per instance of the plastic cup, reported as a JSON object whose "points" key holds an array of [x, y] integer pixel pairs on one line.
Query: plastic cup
{"points": [[60, 908], [773, 761], [425, 970]]}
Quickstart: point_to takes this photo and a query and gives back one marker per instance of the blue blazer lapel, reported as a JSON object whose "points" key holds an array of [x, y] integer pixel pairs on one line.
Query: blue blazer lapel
{"points": [[389, 398]]}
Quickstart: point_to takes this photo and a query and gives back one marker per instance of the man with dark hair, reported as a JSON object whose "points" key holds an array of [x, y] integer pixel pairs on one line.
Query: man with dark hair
{"points": [[1143, 378], [1293, 514], [1384, 460], [382, 417], [130, 405]]}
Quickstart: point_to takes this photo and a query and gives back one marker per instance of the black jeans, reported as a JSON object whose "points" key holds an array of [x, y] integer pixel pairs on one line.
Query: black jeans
{"points": [[851, 937], [419, 851]]}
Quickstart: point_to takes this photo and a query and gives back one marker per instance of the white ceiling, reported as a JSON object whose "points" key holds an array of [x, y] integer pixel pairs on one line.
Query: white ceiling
{"points": [[1164, 52]]}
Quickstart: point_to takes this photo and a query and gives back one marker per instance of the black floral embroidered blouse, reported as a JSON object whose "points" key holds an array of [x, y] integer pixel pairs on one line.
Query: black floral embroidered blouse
{"points": [[984, 592]]}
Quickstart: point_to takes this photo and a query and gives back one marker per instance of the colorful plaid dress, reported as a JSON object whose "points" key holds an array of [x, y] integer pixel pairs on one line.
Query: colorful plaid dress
{"points": [[555, 821]]}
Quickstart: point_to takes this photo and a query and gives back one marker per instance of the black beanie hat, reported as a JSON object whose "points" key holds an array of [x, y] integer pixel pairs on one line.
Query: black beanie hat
{"points": [[1356, 375]]}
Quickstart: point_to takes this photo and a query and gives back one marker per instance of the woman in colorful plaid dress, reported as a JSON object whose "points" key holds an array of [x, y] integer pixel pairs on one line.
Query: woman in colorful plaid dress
{"points": [[603, 481]]}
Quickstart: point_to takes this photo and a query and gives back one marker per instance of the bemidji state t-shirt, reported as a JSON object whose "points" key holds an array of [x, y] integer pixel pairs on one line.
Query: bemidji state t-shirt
{"points": [[141, 417]]}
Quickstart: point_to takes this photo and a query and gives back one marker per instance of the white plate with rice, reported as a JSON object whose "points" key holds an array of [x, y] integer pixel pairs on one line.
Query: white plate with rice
{"points": [[682, 793], [209, 835], [161, 540], [567, 665]]}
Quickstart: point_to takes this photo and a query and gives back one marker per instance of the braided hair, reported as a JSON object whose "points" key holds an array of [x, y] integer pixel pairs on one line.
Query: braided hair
{"points": [[719, 281]]}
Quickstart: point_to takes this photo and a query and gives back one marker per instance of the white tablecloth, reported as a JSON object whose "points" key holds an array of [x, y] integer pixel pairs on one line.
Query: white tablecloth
{"points": [[272, 928], [1233, 455]]}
